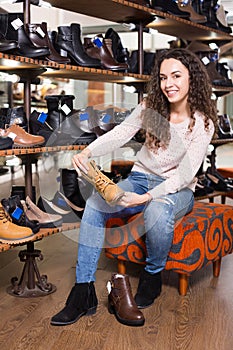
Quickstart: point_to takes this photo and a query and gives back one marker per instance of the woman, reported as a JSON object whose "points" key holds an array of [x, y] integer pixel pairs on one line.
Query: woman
{"points": [[179, 119]]}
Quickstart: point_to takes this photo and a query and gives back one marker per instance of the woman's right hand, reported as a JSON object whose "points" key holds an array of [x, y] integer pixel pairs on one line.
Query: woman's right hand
{"points": [[80, 161]]}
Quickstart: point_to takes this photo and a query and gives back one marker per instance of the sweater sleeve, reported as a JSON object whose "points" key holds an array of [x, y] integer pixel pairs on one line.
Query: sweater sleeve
{"points": [[119, 135], [185, 172]]}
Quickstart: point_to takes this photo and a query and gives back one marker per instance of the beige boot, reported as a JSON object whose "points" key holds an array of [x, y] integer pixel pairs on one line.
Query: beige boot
{"points": [[46, 220], [11, 233], [106, 187]]}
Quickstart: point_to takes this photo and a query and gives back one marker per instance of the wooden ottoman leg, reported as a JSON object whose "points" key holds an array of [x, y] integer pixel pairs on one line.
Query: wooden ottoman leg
{"points": [[216, 267], [183, 283], [121, 267]]}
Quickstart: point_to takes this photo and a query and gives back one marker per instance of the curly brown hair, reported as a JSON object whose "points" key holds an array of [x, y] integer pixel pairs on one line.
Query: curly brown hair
{"points": [[199, 97]]}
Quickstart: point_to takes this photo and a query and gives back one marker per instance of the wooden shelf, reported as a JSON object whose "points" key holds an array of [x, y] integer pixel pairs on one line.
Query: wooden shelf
{"points": [[94, 74], [39, 150], [24, 66], [118, 11], [121, 11], [221, 141], [215, 194], [41, 234]]}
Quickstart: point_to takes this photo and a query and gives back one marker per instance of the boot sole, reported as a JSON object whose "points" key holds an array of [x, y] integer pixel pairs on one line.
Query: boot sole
{"points": [[138, 323], [16, 241], [89, 312]]}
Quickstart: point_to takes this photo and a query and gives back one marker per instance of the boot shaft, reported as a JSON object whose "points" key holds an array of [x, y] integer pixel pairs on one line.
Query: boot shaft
{"points": [[59, 107]]}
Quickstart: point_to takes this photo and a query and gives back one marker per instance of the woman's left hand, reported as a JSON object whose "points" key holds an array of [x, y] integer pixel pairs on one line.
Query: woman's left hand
{"points": [[132, 199]]}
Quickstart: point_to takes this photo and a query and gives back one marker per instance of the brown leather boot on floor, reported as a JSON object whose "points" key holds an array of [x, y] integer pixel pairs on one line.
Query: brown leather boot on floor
{"points": [[121, 301], [11, 233], [106, 187]]}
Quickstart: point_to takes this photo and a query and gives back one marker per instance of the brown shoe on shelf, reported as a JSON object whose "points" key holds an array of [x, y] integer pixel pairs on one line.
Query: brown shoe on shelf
{"points": [[21, 138], [121, 301], [193, 15], [11, 233], [111, 192], [34, 213]]}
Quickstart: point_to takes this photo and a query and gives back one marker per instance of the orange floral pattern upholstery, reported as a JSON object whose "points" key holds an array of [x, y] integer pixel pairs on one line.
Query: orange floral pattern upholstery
{"points": [[201, 237]]}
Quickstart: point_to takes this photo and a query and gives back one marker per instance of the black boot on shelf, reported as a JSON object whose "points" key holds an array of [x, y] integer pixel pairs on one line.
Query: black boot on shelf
{"points": [[27, 48], [38, 35], [6, 45], [82, 301], [14, 208], [169, 6], [69, 41], [120, 53], [59, 108], [15, 115], [225, 130]]}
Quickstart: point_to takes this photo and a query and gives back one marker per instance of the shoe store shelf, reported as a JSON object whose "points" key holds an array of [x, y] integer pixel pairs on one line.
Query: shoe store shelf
{"points": [[41, 234], [220, 142], [39, 150], [23, 65], [121, 11], [214, 194]]}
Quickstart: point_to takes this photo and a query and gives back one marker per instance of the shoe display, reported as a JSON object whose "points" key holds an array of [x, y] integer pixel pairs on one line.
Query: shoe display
{"points": [[11, 233], [11, 116], [15, 209], [120, 53], [111, 192], [98, 49], [34, 213], [69, 41], [59, 205], [121, 302], [21, 138], [38, 35]]}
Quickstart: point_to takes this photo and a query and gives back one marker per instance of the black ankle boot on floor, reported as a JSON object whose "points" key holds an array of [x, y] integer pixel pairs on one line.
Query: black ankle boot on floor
{"points": [[81, 301], [149, 288]]}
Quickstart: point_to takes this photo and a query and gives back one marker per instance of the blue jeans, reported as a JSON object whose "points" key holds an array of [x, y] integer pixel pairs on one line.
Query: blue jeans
{"points": [[160, 216]]}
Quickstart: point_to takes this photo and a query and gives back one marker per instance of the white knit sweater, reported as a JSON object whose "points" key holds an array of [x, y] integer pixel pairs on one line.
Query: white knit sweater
{"points": [[177, 164]]}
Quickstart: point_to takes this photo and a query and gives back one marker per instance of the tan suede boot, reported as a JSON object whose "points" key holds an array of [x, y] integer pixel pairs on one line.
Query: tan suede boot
{"points": [[106, 187], [11, 233]]}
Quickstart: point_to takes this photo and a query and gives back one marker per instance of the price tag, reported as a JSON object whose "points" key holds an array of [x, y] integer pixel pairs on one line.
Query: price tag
{"points": [[40, 32], [17, 23], [98, 42], [17, 213], [109, 287], [12, 135], [42, 117], [65, 109], [205, 60], [83, 116], [106, 118]]}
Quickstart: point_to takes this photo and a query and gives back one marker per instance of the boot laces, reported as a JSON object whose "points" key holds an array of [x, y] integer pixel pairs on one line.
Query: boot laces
{"points": [[101, 183]]}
